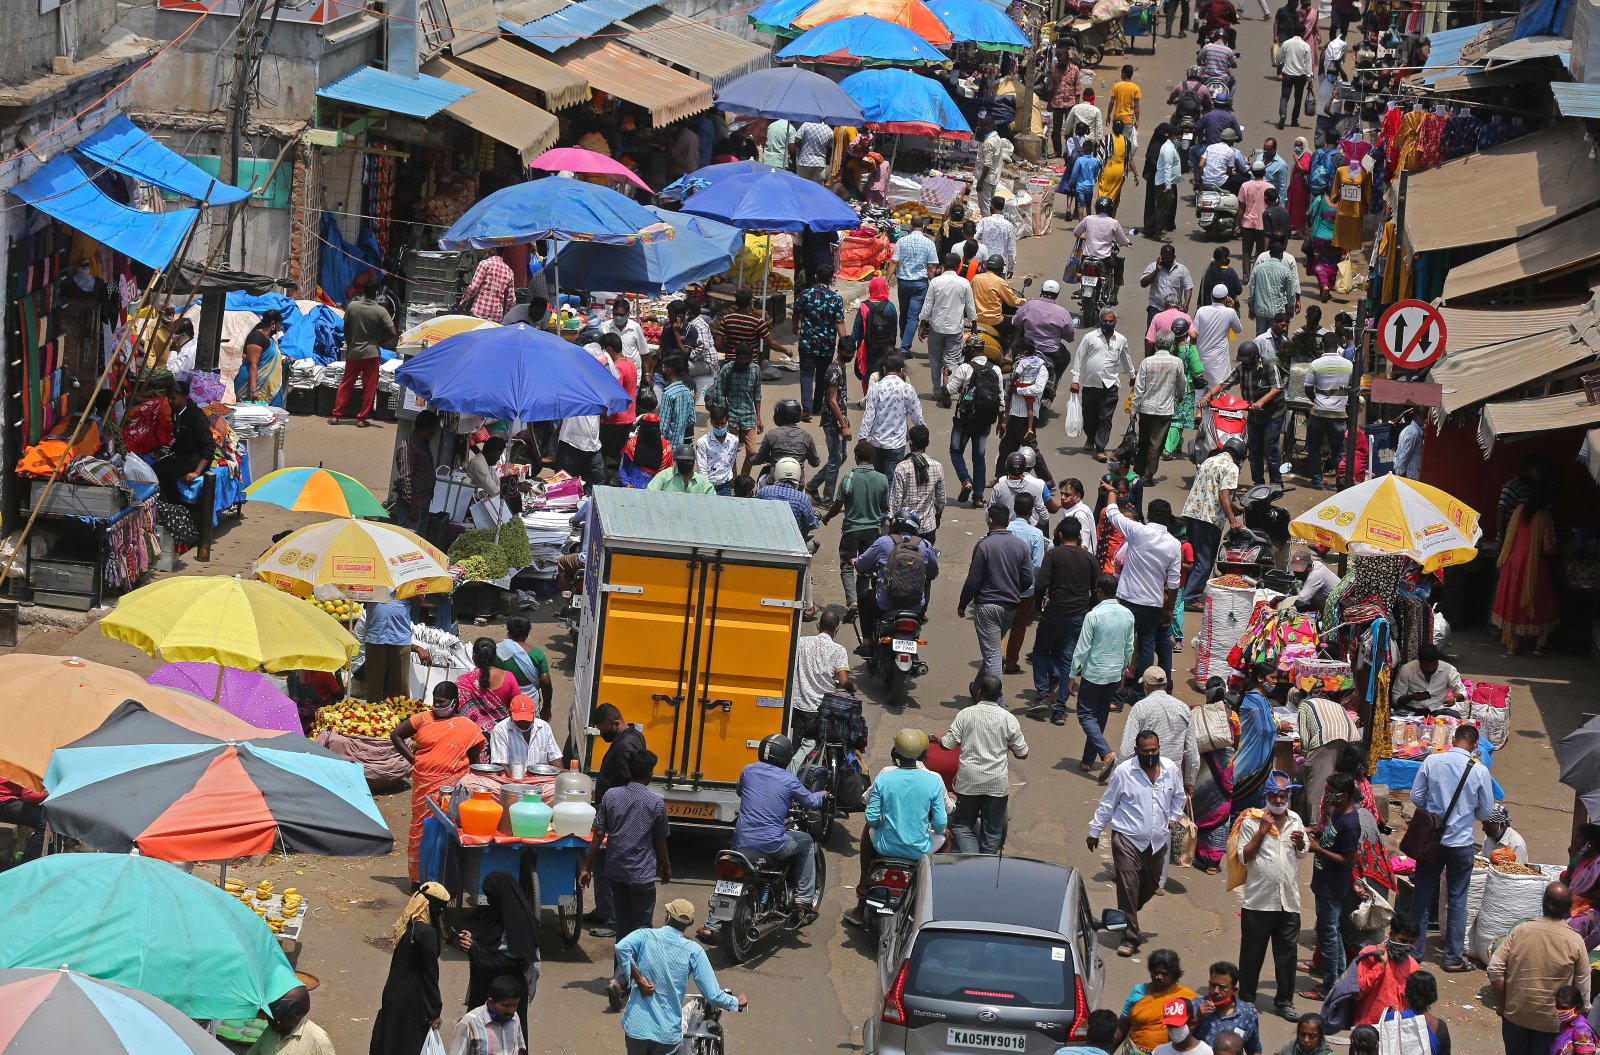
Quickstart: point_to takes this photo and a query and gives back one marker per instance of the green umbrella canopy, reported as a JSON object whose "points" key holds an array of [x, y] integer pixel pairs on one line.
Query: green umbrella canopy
{"points": [[144, 924]]}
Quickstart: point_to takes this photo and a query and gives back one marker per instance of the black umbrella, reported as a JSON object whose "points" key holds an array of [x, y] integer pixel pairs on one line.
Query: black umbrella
{"points": [[1579, 753]]}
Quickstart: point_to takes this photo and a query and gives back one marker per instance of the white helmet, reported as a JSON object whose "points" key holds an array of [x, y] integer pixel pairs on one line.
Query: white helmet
{"points": [[1050, 288]]}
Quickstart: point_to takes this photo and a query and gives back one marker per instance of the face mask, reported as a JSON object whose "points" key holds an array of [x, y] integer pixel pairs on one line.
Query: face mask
{"points": [[1177, 1034], [1398, 950], [1567, 1017], [1299, 150], [1149, 761], [1108, 328], [1277, 811], [719, 433]]}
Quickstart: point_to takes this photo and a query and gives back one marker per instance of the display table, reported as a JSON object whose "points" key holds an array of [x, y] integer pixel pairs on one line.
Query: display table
{"points": [[94, 554], [1402, 772]]}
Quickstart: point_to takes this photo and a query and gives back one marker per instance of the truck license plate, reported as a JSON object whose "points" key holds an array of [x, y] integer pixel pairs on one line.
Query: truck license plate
{"points": [[728, 886], [904, 645], [704, 811], [1089, 281], [978, 1038]]}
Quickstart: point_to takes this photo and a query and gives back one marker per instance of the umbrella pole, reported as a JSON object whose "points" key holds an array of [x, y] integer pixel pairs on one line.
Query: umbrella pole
{"points": [[217, 699]]}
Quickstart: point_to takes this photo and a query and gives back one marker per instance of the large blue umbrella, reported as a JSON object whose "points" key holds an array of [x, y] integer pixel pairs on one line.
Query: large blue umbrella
{"points": [[901, 101], [554, 207], [700, 248], [790, 94], [859, 41], [701, 178], [513, 373], [775, 16], [773, 201], [980, 22]]}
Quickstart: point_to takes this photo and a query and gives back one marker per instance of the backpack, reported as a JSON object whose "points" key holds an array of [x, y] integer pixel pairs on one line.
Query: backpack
{"points": [[879, 331], [980, 403], [905, 573], [1324, 163], [1188, 104]]}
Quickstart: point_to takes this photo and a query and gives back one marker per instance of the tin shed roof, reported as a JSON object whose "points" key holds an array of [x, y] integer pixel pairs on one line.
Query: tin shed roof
{"points": [[751, 525]]}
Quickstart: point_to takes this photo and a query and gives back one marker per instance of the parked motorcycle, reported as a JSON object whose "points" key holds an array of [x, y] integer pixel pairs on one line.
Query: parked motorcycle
{"points": [[1217, 212], [754, 895], [702, 1026], [1225, 421]]}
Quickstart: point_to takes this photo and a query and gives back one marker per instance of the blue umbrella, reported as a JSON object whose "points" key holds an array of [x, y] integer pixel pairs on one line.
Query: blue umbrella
{"points": [[982, 23], [701, 178], [773, 201], [775, 16], [554, 207], [901, 101], [513, 373], [862, 40], [790, 94], [699, 248]]}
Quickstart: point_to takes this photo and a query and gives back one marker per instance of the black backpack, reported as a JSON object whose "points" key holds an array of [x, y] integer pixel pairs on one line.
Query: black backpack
{"points": [[980, 403], [905, 573], [880, 331], [1188, 104]]}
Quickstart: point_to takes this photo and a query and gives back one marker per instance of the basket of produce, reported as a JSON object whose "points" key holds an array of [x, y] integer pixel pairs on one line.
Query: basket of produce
{"points": [[359, 732]]}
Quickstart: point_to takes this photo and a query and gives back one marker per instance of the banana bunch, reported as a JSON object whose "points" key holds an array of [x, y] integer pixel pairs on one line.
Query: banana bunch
{"points": [[264, 890], [291, 903], [233, 886]]}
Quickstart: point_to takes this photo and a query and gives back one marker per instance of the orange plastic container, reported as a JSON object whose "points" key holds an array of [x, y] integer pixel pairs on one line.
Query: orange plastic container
{"points": [[480, 815]]}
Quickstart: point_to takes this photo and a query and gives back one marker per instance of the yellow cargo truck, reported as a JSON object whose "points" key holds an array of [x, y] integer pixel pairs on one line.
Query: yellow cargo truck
{"points": [[691, 616]]}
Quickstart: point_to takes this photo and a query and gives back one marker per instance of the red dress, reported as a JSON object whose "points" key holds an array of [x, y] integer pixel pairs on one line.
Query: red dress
{"points": [[1299, 191]]}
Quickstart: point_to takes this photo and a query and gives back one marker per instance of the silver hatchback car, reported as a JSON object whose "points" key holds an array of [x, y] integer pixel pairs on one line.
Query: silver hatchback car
{"points": [[988, 954]]}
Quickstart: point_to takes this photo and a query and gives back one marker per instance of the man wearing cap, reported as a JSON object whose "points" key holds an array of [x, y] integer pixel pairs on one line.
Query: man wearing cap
{"points": [[1087, 113], [1498, 834], [1212, 325], [683, 479], [659, 962], [1271, 843], [910, 268], [1252, 207], [1170, 285], [1166, 716], [1316, 581], [524, 739], [1179, 1015]]}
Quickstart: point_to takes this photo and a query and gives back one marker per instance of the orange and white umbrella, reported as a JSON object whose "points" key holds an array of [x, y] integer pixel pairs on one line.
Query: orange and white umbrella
{"points": [[1394, 515]]}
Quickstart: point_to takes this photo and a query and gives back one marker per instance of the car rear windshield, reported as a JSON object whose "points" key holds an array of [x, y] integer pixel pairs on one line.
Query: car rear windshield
{"points": [[999, 969]]}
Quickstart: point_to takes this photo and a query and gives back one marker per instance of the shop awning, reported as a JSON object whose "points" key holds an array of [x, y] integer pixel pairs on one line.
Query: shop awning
{"points": [[717, 56], [1544, 176], [1471, 377], [65, 191], [1568, 410], [1576, 100], [1530, 48], [1471, 328], [382, 90], [576, 21], [530, 11], [1565, 245], [497, 113], [123, 146], [1444, 50], [666, 93], [560, 88]]}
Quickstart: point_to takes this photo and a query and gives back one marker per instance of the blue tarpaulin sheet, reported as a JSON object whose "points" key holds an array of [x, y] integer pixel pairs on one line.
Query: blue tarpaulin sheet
{"points": [[317, 335], [382, 90], [1540, 18], [123, 146], [65, 191], [571, 24], [342, 263]]}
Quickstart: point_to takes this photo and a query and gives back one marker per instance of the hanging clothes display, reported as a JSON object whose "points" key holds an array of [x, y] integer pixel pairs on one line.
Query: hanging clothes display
{"points": [[131, 544], [1430, 140], [1389, 128], [1351, 185], [1406, 156], [1461, 135]]}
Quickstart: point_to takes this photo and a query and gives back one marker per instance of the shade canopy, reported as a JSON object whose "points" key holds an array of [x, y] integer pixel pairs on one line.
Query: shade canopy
{"points": [[66, 192], [46, 1011], [142, 781], [699, 249], [316, 490], [441, 326], [123, 146], [513, 373], [555, 207], [912, 14], [789, 93], [249, 695], [701, 178], [144, 924], [357, 560], [419, 96], [894, 100], [577, 159], [773, 201], [1579, 755], [777, 16], [1394, 515], [980, 23], [861, 41]]}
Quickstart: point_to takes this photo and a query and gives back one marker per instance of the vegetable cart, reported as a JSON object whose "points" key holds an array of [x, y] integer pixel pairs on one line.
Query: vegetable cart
{"points": [[546, 868]]}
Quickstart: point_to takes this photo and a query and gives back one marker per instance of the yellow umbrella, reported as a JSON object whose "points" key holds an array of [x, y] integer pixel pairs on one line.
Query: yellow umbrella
{"points": [[1394, 515], [357, 560], [439, 327], [233, 622]]}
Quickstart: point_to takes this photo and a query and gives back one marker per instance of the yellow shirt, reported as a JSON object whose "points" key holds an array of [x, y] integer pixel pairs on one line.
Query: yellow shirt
{"points": [[989, 292], [1123, 95]]}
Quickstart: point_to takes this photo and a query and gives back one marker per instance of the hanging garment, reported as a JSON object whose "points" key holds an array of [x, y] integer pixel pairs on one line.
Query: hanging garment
{"points": [[1406, 157], [1430, 140], [1351, 185]]}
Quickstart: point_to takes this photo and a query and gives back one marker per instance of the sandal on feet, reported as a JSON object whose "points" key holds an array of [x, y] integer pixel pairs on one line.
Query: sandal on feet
{"points": [[1312, 994], [1456, 968]]}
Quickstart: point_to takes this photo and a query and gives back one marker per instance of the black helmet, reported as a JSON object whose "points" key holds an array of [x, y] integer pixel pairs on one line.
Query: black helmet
{"points": [[1104, 204], [1235, 446], [1180, 329], [996, 263], [906, 522], [787, 412], [1016, 463], [1249, 350], [776, 750]]}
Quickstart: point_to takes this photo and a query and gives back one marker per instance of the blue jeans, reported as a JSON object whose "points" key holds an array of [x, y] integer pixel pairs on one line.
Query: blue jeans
{"points": [[1051, 657], [1329, 940], [825, 478], [971, 810], [884, 459], [799, 845], [1153, 643], [1205, 537], [1263, 437], [1455, 863], [911, 296], [960, 439], [1094, 707]]}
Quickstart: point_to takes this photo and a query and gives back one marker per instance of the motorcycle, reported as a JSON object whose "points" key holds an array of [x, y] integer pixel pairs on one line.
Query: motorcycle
{"points": [[886, 887], [1217, 212], [1226, 421], [895, 653], [1097, 285], [754, 895], [823, 769], [1244, 551], [702, 1026]]}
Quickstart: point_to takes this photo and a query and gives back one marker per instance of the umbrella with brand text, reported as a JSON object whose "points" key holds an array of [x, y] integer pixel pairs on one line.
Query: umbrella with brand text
{"points": [[1394, 515]]}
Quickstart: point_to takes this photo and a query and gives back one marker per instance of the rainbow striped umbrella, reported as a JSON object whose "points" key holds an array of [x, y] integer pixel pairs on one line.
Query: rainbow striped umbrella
{"points": [[316, 490]]}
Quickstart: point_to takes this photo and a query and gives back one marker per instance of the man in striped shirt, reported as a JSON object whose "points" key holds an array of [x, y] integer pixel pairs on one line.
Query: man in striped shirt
{"points": [[660, 962], [494, 1028]]}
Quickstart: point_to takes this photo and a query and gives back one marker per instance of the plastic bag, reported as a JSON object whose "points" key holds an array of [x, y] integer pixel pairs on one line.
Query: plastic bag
{"points": [[432, 1043], [1372, 914], [1181, 838], [1074, 422], [1402, 1036], [1346, 279]]}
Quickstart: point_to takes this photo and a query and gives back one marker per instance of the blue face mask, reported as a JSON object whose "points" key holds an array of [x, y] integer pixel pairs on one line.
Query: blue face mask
{"points": [[719, 433]]}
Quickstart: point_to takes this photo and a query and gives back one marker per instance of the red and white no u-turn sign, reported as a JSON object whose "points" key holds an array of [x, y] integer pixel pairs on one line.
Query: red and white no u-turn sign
{"points": [[1411, 334]]}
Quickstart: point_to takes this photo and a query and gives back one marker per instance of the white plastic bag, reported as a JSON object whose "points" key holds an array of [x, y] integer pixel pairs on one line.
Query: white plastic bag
{"points": [[1396, 1035], [1074, 420], [432, 1044]]}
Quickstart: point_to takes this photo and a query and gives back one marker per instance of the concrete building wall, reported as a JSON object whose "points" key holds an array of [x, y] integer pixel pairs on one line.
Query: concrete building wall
{"points": [[33, 39]]}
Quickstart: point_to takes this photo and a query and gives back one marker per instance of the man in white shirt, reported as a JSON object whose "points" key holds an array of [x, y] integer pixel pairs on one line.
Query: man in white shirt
{"points": [[1088, 114], [1270, 848], [1427, 684], [1294, 60], [1096, 372], [892, 405], [1073, 505], [821, 665], [1158, 387], [1328, 380], [996, 232], [578, 449], [1212, 325], [992, 154], [1498, 834], [524, 739], [1100, 233], [1143, 796], [1150, 579], [634, 344], [717, 450], [985, 732], [943, 315]]}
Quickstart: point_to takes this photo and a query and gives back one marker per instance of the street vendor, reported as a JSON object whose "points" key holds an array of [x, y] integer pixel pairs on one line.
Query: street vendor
{"points": [[1427, 684], [446, 745], [193, 448], [1316, 580], [524, 739]]}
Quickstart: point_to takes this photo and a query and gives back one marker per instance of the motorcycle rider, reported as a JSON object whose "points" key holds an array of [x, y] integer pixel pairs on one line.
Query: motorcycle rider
{"points": [[1209, 128], [1216, 58], [1189, 97], [1222, 166], [905, 813], [1100, 233], [766, 790], [786, 439], [897, 584], [1049, 325], [1218, 18]]}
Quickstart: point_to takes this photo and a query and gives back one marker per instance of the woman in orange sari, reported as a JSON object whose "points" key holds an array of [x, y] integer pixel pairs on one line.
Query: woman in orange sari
{"points": [[445, 745], [1525, 598]]}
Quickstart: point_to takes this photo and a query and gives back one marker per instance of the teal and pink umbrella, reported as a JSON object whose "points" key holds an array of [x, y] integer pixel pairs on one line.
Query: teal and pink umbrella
{"points": [[309, 489], [51, 1011]]}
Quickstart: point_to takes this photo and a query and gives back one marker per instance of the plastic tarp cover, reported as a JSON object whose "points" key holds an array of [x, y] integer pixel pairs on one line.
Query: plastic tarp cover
{"points": [[342, 263], [130, 150], [66, 192], [382, 90], [317, 334], [189, 281]]}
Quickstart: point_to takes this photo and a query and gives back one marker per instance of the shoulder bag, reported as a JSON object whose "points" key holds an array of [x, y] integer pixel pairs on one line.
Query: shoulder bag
{"points": [[1425, 834]]}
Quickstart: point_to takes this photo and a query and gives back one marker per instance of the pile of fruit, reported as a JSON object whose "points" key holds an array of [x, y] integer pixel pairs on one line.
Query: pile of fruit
{"points": [[257, 901], [340, 609], [373, 720]]}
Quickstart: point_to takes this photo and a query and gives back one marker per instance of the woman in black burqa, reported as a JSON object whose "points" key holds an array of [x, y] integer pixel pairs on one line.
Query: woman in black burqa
{"points": [[411, 1001], [505, 943]]}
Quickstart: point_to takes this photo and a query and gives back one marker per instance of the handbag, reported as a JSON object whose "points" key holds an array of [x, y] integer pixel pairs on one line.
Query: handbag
{"points": [[1402, 1036], [1425, 833], [1182, 837], [1212, 730], [1070, 272]]}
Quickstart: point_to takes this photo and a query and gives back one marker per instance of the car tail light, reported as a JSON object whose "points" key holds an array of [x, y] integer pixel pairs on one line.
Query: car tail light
{"points": [[894, 1007], [908, 625], [730, 867], [1080, 1012], [891, 877]]}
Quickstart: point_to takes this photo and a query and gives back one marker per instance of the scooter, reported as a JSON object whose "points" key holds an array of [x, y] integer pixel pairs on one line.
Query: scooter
{"points": [[702, 1026], [1226, 420], [887, 884], [754, 895], [1217, 212]]}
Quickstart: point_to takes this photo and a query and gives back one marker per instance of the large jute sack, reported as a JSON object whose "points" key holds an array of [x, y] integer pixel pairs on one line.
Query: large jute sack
{"points": [[1227, 614]]}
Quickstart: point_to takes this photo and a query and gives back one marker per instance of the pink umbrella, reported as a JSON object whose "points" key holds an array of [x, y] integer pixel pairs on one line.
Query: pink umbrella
{"points": [[247, 694], [577, 159]]}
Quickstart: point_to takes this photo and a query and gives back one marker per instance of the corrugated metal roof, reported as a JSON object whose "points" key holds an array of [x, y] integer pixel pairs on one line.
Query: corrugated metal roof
{"points": [[1471, 328], [662, 518], [1530, 48], [1565, 410], [1577, 100], [717, 56], [1486, 372], [1444, 50], [571, 24], [1564, 245], [561, 88], [666, 93], [530, 11], [497, 113], [382, 90]]}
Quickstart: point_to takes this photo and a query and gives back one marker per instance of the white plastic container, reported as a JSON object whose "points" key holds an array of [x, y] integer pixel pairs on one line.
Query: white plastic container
{"points": [[573, 818]]}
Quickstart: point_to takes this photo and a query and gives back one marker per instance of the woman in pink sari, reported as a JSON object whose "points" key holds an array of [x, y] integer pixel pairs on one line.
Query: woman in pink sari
{"points": [[1299, 188], [1525, 597], [1311, 11], [486, 692]]}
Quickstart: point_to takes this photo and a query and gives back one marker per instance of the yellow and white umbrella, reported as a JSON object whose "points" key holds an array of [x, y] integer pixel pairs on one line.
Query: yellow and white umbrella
{"points": [[356, 560], [439, 327], [1394, 515]]}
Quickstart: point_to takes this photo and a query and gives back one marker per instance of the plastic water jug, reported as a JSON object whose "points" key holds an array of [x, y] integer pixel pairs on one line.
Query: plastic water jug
{"points": [[530, 817], [574, 786], [481, 813], [573, 818]]}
